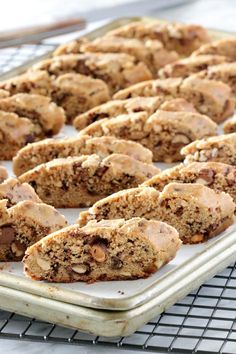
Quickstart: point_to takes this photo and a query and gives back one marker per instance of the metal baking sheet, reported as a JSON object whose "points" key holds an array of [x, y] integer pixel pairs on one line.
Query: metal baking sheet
{"points": [[84, 306]]}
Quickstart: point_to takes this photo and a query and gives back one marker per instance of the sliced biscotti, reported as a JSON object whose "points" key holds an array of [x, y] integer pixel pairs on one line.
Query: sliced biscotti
{"points": [[46, 150], [210, 97], [35, 82], [187, 66], [106, 250], [151, 52], [115, 108], [225, 72], [164, 133], [81, 181], [183, 38], [230, 126], [117, 70], [3, 173], [15, 132], [196, 211], [73, 47], [225, 47], [47, 117], [78, 93], [135, 202], [14, 192], [216, 175], [24, 224], [220, 148]]}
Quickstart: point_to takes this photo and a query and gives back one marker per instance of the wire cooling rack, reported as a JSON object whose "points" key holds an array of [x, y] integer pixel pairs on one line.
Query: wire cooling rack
{"points": [[204, 322]]}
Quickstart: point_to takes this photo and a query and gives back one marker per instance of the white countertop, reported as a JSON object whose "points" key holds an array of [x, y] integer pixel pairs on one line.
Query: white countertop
{"points": [[211, 13]]}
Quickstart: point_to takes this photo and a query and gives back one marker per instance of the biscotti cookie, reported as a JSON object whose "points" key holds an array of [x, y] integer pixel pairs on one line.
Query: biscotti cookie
{"points": [[151, 52], [225, 72], [72, 47], [182, 38], [210, 97], [115, 108], [220, 148], [24, 224], [78, 93], [15, 132], [187, 66], [81, 181], [106, 250], [230, 126], [216, 175], [225, 47], [46, 115], [136, 202], [196, 211], [36, 82], [3, 174], [46, 150], [164, 133], [117, 70], [14, 192]]}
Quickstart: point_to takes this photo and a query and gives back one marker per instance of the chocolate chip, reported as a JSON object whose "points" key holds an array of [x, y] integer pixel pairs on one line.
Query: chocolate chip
{"points": [[7, 235], [29, 138], [116, 263]]}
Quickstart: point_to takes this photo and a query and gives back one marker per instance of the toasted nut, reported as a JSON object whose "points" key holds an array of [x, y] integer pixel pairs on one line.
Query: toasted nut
{"points": [[206, 175], [18, 248], [180, 138], [98, 252], [79, 268], [197, 238], [126, 274], [201, 181], [45, 265]]}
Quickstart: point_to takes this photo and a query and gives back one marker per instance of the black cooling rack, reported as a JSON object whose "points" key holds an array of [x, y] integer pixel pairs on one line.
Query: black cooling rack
{"points": [[204, 322]]}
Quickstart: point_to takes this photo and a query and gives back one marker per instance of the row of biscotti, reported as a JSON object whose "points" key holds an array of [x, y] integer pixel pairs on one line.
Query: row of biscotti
{"points": [[106, 247], [84, 179], [153, 43], [77, 93], [34, 117], [90, 253], [164, 133], [24, 219]]}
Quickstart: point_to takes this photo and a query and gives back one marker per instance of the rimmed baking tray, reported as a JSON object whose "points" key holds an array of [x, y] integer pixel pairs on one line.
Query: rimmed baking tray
{"points": [[115, 308]]}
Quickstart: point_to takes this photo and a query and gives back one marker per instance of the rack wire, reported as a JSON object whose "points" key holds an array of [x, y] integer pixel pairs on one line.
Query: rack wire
{"points": [[202, 323]]}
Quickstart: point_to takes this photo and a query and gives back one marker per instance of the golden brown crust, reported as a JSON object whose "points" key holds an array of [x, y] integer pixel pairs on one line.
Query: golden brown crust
{"points": [[210, 97], [117, 70], [81, 181], [46, 150], [182, 38], [164, 132]]}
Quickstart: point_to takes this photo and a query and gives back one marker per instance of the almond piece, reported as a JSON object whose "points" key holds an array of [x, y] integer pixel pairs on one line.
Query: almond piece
{"points": [[99, 252], [79, 268]]}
